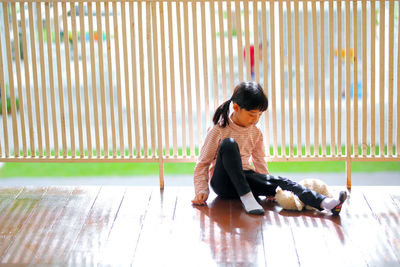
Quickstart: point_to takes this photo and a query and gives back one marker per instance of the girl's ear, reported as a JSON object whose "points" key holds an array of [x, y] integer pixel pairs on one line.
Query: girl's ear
{"points": [[236, 107]]}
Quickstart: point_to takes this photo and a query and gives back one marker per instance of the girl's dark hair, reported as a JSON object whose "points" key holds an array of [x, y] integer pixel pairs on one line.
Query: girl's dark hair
{"points": [[248, 95]]}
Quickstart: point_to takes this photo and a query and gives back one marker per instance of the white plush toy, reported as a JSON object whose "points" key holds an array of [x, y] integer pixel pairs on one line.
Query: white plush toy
{"points": [[289, 201]]}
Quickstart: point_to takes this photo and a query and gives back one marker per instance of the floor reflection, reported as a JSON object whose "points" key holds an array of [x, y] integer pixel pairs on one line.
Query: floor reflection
{"points": [[234, 237]]}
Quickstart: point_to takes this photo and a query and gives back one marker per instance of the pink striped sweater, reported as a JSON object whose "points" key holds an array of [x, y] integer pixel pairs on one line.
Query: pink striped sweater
{"points": [[251, 145]]}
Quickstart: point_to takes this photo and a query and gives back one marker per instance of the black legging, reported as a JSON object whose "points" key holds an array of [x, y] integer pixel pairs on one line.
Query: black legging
{"points": [[231, 181]]}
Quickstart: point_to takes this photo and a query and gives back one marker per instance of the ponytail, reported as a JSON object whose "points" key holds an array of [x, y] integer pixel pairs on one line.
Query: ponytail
{"points": [[222, 110], [248, 95]]}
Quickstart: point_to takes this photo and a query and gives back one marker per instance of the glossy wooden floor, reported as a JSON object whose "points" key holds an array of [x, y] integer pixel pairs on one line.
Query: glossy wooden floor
{"points": [[143, 226]]}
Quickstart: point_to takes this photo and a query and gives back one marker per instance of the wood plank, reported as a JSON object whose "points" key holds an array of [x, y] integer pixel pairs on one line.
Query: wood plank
{"points": [[28, 239], [276, 226], [66, 227], [360, 225], [222, 233], [238, 238], [7, 196], [16, 215], [313, 246], [92, 237], [128, 223], [387, 213], [156, 234]]}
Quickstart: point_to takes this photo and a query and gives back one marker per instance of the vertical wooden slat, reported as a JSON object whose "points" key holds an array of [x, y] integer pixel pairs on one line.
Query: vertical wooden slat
{"points": [[94, 80], [247, 40], [157, 92], [126, 76], [222, 48], [316, 88], [27, 78], [282, 79], [183, 109], [110, 79], [372, 103], [340, 87], [196, 74], [265, 74], [306, 77], [164, 78], [398, 94], [102, 85], [331, 78], [35, 78], [364, 78], [59, 76], [134, 83], [150, 77], [85, 80], [19, 82], [355, 79], [230, 48], [256, 42], [4, 102], [119, 86], [43, 77], [290, 74], [348, 77], [239, 39], [51, 78], [188, 79], [205, 68], [142, 84], [390, 111], [273, 86], [172, 76], [77, 83], [323, 107], [214, 55], [297, 63], [69, 87], [11, 81], [382, 78]]}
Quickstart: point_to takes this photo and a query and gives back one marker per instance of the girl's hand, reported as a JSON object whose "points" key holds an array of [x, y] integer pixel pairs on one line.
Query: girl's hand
{"points": [[200, 199]]}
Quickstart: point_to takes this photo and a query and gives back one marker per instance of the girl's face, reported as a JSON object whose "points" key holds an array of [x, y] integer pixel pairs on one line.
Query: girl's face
{"points": [[245, 118]]}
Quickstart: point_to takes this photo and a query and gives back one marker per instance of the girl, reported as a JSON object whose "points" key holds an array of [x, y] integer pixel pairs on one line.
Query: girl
{"points": [[234, 148]]}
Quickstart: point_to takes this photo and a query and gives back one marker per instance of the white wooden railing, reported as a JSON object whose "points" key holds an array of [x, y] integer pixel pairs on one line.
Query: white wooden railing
{"points": [[140, 81]]}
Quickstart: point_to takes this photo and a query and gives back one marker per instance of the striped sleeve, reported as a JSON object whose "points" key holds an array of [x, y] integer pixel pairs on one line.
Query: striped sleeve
{"points": [[208, 154]]}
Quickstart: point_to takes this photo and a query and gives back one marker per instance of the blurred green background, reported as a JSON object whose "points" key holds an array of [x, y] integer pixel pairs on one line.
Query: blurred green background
{"points": [[142, 169]]}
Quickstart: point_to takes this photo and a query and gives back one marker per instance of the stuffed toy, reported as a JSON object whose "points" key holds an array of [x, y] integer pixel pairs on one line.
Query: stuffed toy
{"points": [[289, 201]]}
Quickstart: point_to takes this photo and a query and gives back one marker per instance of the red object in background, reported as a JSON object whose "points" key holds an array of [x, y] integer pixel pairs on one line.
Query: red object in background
{"points": [[251, 57]]}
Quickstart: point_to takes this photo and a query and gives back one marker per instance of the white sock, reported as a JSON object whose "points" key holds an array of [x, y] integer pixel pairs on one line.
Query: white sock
{"points": [[250, 204], [329, 203]]}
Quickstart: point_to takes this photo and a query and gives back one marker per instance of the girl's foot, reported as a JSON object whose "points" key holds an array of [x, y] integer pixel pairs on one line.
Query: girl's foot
{"points": [[251, 205], [342, 198], [334, 204]]}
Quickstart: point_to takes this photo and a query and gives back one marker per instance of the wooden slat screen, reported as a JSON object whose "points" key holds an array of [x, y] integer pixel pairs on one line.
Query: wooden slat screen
{"points": [[140, 80]]}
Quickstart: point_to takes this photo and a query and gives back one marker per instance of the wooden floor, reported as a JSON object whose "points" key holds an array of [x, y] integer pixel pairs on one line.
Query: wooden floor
{"points": [[143, 226]]}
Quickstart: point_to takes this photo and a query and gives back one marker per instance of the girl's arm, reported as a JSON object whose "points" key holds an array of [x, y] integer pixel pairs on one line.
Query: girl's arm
{"points": [[207, 155], [258, 156]]}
